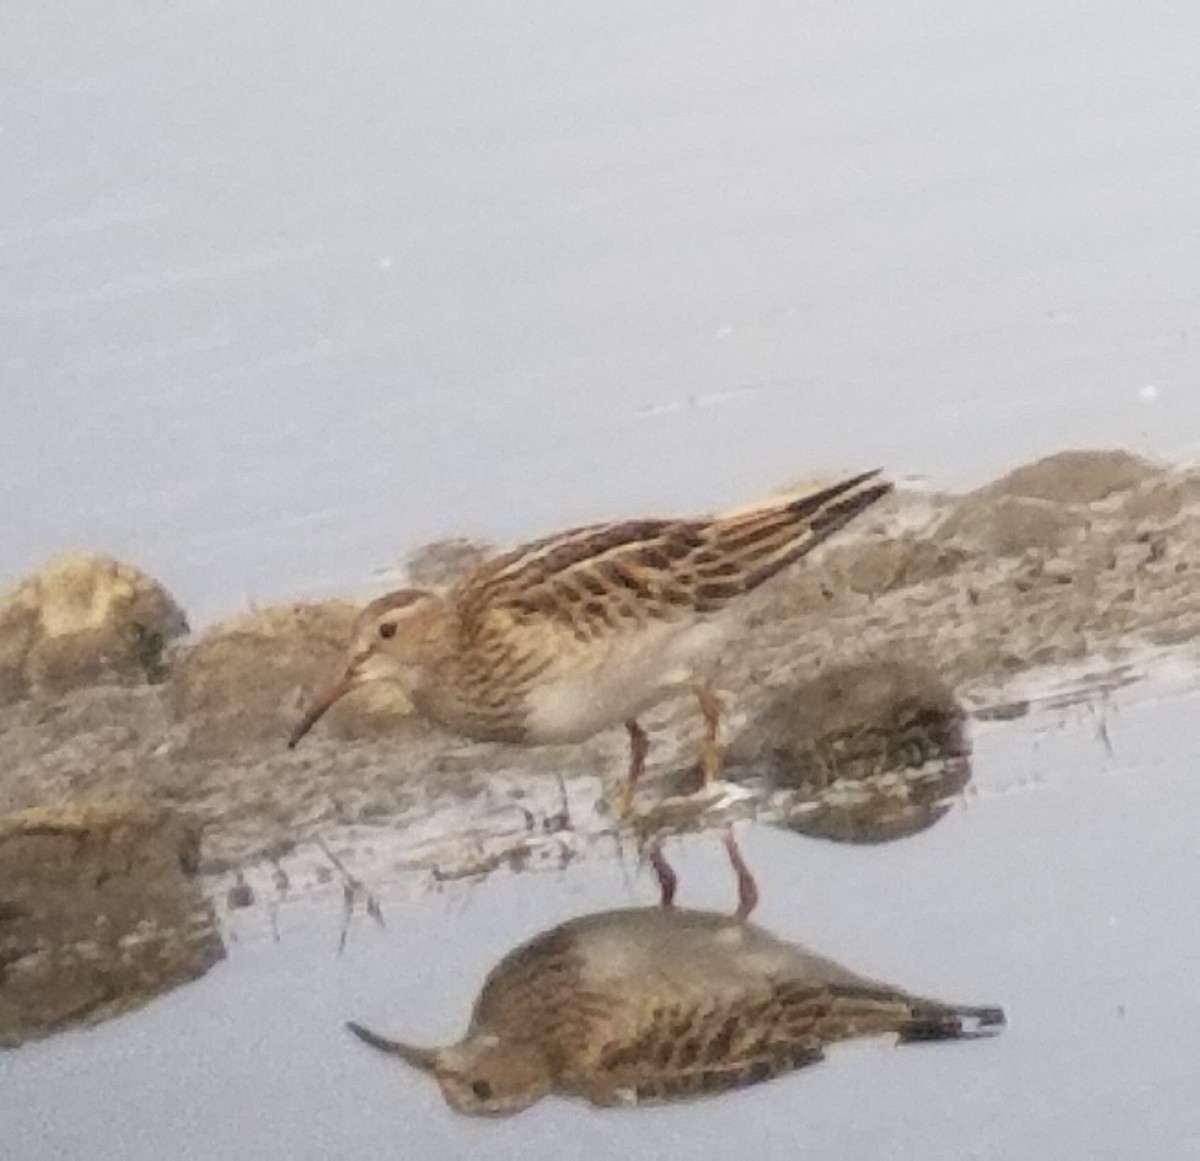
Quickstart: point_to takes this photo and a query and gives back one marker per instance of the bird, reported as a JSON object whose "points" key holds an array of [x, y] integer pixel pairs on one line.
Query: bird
{"points": [[649, 1005], [590, 628]]}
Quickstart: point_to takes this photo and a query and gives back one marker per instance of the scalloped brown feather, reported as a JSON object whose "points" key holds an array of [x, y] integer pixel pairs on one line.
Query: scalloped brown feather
{"points": [[588, 628], [604, 578], [660, 1004]]}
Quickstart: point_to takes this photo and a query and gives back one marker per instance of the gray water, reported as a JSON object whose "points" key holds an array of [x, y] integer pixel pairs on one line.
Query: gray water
{"points": [[287, 289], [1062, 887]]}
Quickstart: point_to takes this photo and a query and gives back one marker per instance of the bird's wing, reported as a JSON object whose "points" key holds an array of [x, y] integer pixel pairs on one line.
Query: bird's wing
{"points": [[655, 1050], [603, 578]]}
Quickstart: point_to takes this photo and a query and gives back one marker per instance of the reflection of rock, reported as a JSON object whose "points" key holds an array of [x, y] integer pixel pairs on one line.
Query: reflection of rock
{"points": [[656, 1004], [873, 750], [84, 619], [244, 680], [440, 563], [99, 913], [881, 807]]}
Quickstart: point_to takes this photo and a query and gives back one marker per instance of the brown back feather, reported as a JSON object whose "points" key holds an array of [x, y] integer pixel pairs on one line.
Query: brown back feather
{"points": [[592, 579]]}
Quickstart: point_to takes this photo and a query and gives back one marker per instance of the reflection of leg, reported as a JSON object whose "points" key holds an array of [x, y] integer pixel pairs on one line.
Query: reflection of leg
{"points": [[747, 887], [639, 747], [667, 879], [710, 753]]}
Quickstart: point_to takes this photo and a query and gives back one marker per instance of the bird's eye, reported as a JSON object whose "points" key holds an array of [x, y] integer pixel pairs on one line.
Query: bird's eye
{"points": [[387, 630], [482, 1090]]}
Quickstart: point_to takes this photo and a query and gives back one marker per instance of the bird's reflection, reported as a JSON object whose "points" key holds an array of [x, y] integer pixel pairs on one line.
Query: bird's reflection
{"points": [[663, 1003]]}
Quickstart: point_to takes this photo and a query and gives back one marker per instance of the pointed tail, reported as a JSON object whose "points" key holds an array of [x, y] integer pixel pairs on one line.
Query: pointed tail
{"points": [[867, 1009], [749, 548], [933, 1021]]}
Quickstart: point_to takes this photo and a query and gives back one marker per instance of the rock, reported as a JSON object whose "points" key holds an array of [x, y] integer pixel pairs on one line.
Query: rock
{"points": [[1075, 477], [851, 721], [879, 566], [100, 911], [1163, 498], [82, 620], [1002, 525], [872, 750], [248, 680], [1040, 506]]}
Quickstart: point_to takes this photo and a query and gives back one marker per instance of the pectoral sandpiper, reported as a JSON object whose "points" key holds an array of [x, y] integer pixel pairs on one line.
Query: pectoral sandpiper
{"points": [[654, 1004], [588, 629]]}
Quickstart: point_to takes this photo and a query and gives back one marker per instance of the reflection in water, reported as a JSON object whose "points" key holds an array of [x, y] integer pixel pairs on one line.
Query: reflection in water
{"points": [[879, 808], [662, 1003]]}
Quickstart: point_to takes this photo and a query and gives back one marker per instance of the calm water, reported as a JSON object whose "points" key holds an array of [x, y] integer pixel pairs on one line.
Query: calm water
{"points": [[1063, 888], [286, 290]]}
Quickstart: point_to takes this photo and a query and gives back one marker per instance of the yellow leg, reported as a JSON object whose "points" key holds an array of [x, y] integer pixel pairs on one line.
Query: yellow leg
{"points": [[639, 747], [711, 764]]}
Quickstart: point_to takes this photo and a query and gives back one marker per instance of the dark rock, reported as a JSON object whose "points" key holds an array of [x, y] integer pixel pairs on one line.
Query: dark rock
{"points": [[871, 750], [101, 912], [84, 620]]}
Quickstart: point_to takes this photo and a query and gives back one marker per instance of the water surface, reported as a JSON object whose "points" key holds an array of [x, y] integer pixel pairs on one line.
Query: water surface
{"points": [[1061, 887], [287, 290]]}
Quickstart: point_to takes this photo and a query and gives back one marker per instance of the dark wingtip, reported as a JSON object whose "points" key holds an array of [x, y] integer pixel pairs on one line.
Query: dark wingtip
{"points": [[990, 1017], [854, 497], [963, 1023]]}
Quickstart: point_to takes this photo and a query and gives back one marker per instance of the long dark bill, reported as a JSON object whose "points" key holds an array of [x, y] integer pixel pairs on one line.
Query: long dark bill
{"points": [[423, 1058], [317, 710]]}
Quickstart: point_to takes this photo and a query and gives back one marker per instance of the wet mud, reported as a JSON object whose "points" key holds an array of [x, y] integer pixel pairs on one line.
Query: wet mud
{"points": [[848, 702]]}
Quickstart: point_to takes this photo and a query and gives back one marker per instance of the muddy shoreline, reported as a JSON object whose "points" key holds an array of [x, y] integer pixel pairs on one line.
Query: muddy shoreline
{"points": [[145, 776], [1090, 555], [1084, 557]]}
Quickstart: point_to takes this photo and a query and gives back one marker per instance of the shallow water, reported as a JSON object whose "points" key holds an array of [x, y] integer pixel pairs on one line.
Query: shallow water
{"points": [[1060, 887], [285, 291]]}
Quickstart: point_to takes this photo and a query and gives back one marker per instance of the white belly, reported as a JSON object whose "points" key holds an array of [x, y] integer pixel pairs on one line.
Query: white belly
{"points": [[616, 684]]}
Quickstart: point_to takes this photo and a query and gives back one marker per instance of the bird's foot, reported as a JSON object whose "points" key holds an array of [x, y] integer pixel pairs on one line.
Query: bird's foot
{"points": [[622, 802]]}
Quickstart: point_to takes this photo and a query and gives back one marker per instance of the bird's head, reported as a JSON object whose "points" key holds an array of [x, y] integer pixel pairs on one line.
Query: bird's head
{"points": [[482, 1075], [389, 642]]}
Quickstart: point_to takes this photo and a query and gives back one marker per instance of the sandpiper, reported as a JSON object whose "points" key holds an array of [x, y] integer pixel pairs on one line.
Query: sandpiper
{"points": [[590, 628], [654, 1004]]}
